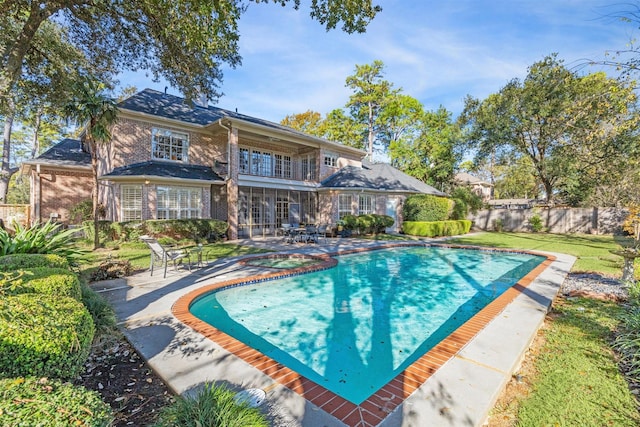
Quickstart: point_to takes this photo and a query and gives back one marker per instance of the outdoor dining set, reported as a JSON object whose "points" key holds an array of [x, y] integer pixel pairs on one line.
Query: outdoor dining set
{"points": [[306, 234]]}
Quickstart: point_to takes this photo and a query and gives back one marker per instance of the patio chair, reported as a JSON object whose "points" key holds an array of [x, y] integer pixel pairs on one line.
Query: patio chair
{"points": [[323, 231], [161, 256]]}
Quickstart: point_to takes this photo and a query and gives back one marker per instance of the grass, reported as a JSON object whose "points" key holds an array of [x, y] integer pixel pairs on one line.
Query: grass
{"points": [[139, 255], [577, 361], [576, 377], [592, 252]]}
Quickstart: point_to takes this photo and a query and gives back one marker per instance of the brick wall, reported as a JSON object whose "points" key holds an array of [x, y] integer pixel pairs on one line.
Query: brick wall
{"points": [[61, 191]]}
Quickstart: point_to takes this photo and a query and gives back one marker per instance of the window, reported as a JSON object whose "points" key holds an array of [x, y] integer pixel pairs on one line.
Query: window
{"points": [[344, 205], [282, 166], [169, 145], [178, 202], [331, 159], [131, 202], [244, 160], [365, 204], [308, 167]]}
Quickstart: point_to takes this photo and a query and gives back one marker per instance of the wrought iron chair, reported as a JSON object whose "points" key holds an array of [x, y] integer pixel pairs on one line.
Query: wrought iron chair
{"points": [[161, 256]]}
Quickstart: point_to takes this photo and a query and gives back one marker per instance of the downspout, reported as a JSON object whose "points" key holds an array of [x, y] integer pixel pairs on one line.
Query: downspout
{"points": [[228, 144]]}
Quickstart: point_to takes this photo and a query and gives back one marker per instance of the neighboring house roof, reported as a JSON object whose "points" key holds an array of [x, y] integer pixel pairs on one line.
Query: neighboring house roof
{"points": [[153, 169], [173, 107], [66, 153], [377, 176], [465, 178], [512, 202]]}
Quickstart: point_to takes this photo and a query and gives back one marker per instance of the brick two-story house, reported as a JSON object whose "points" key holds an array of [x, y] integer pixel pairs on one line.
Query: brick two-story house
{"points": [[169, 159]]}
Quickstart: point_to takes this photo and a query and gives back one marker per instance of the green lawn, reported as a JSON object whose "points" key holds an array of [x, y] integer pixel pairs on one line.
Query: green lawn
{"points": [[577, 380], [140, 256], [592, 252]]}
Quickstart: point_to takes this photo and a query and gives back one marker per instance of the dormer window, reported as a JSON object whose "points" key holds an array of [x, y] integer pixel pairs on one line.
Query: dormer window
{"points": [[331, 160], [169, 145]]}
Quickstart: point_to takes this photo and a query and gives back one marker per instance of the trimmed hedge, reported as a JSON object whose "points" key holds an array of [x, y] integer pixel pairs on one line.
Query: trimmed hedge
{"points": [[436, 228], [44, 402], [42, 280], [178, 229], [373, 223], [424, 207], [41, 335], [20, 261]]}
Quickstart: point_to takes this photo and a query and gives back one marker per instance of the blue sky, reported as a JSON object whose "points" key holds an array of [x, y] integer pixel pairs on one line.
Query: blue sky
{"points": [[436, 51]]}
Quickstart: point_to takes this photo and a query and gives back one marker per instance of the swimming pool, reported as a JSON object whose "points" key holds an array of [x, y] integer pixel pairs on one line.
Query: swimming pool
{"points": [[354, 328]]}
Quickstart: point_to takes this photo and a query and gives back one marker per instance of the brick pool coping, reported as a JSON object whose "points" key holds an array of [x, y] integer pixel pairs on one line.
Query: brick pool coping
{"points": [[383, 402]]}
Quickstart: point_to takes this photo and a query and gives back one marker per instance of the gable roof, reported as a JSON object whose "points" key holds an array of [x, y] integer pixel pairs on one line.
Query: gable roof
{"points": [[164, 170], [66, 153], [159, 104], [378, 177], [468, 179]]}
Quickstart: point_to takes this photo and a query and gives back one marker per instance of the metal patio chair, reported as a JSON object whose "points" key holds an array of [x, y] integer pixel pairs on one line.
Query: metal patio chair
{"points": [[162, 257]]}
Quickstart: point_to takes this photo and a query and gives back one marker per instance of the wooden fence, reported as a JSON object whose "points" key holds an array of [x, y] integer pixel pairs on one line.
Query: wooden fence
{"points": [[15, 213], [555, 220]]}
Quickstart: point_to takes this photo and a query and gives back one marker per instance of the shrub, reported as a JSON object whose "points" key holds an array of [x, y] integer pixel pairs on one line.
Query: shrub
{"points": [[535, 222], [101, 311], [42, 280], [21, 261], [436, 228], [627, 342], [212, 406], [44, 402], [112, 269], [82, 211], [44, 238], [44, 336], [373, 223], [176, 229], [349, 222], [464, 201], [424, 207]]}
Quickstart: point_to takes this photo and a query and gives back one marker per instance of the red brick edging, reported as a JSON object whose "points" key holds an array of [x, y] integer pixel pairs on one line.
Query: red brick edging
{"points": [[379, 405]]}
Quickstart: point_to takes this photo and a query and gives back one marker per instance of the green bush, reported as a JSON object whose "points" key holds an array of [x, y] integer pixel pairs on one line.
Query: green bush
{"points": [[424, 207], [535, 222], [464, 201], [104, 229], [436, 228], [349, 222], [373, 223], [41, 335], [47, 238], [20, 261], [42, 280], [101, 311], [82, 211], [45, 402], [177, 229], [213, 406]]}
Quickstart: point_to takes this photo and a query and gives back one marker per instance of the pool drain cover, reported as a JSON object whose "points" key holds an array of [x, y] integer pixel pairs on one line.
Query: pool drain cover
{"points": [[253, 397]]}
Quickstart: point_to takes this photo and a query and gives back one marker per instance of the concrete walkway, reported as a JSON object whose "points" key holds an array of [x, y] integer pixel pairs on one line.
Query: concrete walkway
{"points": [[460, 393]]}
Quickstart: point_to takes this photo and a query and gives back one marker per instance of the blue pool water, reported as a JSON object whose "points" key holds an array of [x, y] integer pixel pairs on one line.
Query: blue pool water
{"points": [[355, 327]]}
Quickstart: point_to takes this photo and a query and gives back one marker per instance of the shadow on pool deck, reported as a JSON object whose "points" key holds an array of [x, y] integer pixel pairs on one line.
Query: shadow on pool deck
{"points": [[461, 392]]}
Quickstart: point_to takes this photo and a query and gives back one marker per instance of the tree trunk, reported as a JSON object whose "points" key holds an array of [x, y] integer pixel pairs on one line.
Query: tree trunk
{"points": [[35, 147], [96, 220], [628, 273], [5, 169]]}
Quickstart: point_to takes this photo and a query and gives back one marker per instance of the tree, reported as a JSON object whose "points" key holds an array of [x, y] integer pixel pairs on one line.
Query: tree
{"points": [[432, 156], [185, 41], [570, 127], [337, 126], [97, 112], [307, 122], [371, 95]]}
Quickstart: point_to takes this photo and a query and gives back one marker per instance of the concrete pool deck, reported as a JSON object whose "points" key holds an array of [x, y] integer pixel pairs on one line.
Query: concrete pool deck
{"points": [[461, 392]]}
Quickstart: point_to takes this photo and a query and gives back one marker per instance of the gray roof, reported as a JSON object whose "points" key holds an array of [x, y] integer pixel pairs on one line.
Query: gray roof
{"points": [[468, 179], [67, 152], [173, 107], [164, 170], [377, 176]]}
